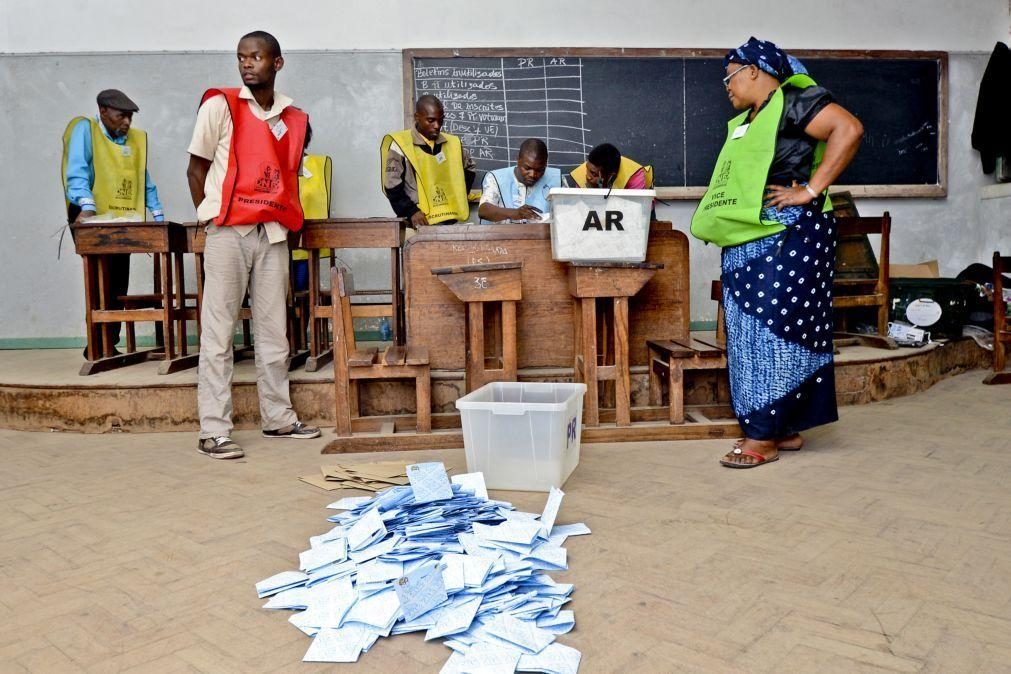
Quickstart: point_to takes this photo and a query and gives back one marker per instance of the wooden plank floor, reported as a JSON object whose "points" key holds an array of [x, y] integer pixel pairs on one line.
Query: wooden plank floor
{"points": [[883, 546]]}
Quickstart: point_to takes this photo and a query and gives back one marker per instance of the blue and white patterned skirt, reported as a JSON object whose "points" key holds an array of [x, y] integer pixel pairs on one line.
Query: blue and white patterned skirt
{"points": [[777, 295]]}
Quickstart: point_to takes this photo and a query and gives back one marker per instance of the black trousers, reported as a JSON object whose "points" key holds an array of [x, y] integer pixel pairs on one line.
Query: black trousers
{"points": [[119, 276]]}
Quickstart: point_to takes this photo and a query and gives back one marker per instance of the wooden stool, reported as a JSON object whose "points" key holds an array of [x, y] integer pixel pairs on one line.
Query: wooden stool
{"points": [[490, 292], [617, 281], [351, 365]]}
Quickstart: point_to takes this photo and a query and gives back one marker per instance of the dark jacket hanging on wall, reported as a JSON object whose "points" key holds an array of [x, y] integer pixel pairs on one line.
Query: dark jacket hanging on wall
{"points": [[991, 130]]}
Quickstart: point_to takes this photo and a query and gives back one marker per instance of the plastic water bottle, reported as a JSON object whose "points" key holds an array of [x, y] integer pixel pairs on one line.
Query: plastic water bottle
{"points": [[385, 331]]}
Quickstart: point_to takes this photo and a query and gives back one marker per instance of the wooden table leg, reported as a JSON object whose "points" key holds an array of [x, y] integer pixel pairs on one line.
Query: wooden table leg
{"points": [[180, 302], [655, 390], [475, 345], [167, 302], [605, 348], [509, 340], [399, 332], [423, 394], [90, 281], [622, 378], [103, 303], [159, 329], [577, 341], [675, 383], [588, 319], [314, 294]]}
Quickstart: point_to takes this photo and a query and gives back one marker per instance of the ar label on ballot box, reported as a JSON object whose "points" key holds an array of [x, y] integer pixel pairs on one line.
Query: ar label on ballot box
{"points": [[596, 225], [612, 220]]}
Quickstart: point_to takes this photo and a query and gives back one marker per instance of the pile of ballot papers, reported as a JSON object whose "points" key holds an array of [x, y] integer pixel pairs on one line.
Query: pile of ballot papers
{"points": [[436, 556]]}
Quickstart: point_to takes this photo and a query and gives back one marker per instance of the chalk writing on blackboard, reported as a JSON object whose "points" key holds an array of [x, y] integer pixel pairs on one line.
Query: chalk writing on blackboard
{"points": [[498, 104]]}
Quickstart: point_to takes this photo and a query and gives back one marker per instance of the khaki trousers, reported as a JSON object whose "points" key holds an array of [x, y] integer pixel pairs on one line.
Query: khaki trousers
{"points": [[233, 264]]}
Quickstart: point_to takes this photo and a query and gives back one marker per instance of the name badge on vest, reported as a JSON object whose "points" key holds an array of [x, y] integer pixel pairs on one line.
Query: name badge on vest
{"points": [[440, 158], [126, 151], [740, 131], [279, 129]]}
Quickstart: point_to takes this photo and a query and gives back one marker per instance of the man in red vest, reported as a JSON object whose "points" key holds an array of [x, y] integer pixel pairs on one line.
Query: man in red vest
{"points": [[245, 157]]}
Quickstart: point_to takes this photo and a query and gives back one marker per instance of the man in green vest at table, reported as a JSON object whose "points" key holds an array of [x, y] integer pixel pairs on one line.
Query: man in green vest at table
{"points": [[427, 173]]}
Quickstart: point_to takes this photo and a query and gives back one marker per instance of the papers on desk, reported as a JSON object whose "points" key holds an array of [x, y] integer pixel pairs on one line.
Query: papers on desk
{"points": [[435, 556], [111, 218]]}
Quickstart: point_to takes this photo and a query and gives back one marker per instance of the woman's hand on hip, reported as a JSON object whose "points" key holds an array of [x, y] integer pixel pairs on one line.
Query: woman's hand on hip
{"points": [[794, 195]]}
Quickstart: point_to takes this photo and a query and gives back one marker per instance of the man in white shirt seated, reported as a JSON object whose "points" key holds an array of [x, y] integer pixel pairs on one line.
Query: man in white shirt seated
{"points": [[520, 193]]}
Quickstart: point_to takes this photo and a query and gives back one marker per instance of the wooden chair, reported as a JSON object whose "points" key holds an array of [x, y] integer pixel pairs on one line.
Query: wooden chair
{"points": [[669, 358], [352, 364], [1001, 324], [862, 290]]}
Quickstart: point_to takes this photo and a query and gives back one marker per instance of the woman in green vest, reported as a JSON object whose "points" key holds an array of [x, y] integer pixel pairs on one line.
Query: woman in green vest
{"points": [[767, 206]]}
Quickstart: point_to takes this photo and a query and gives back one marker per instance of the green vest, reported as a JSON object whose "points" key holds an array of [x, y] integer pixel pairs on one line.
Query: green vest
{"points": [[442, 186], [730, 213], [120, 170]]}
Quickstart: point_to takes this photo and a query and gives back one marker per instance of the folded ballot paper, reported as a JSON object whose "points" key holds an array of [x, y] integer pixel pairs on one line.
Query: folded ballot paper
{"points": [[437, 556]]}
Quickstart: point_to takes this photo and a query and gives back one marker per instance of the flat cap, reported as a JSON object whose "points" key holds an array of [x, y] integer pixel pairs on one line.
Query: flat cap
{"points": [[114, 98]]}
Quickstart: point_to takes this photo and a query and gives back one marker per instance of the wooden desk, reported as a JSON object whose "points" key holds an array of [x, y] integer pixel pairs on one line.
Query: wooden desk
{"points": [[336, 233], [544, 319], [94, 242]]}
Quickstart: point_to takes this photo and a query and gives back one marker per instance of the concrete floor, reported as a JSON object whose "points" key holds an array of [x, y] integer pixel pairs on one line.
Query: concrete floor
{"points": [[885, 545]]}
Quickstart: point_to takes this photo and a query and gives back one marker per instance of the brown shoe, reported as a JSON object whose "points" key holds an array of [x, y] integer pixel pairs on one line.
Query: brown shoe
{"points": [[221, 447]]}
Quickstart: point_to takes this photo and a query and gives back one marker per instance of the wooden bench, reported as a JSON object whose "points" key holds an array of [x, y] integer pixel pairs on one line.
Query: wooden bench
{"points": [[669, 358], [352, 364]]}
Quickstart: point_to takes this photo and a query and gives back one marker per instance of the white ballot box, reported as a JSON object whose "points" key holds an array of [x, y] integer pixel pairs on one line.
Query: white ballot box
{"points": [[594, 225], [522, 436]]}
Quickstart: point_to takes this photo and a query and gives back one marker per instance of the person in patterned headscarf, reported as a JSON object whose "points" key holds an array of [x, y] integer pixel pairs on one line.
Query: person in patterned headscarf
{"points": [[767, 206]]}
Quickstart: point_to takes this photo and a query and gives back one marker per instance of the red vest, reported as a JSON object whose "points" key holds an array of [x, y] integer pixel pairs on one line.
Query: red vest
{"points": [[261, 184]]}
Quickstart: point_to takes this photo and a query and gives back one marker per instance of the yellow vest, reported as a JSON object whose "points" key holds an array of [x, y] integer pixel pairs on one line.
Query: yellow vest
{"points": [[314, 194], [442, 188], [120, 170], [626, 170]]}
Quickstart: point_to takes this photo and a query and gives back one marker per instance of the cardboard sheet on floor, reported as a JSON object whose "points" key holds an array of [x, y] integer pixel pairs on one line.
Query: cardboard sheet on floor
{"points": [[371, 477]]}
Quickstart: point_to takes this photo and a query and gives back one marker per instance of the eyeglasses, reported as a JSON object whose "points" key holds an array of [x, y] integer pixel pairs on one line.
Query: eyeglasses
{"points": [[726, 80]]}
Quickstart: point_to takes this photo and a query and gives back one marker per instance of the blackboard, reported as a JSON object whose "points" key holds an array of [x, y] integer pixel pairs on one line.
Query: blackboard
{"points": [[668, 108]]}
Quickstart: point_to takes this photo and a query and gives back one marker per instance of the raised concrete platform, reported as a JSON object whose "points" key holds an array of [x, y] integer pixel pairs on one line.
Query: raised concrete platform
{"points": [[41, 391]]}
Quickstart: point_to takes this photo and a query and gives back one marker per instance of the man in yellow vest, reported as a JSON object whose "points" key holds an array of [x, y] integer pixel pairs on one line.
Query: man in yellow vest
{"points": [[105, 173], [606, 168], [427, 173]]}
